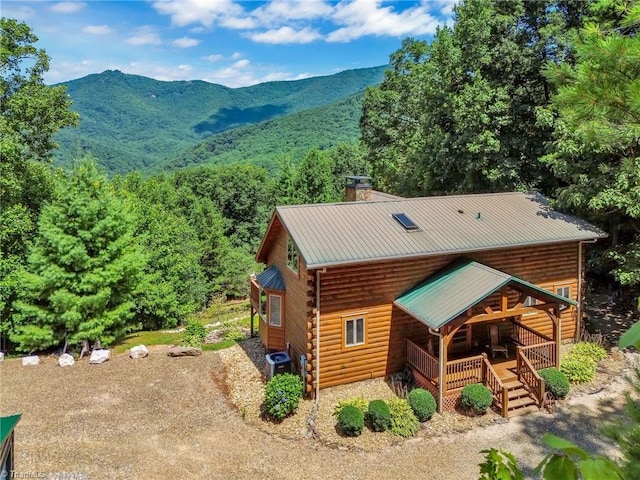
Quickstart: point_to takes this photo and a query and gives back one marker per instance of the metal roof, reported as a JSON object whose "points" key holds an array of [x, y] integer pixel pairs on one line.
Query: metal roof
{"points": [[448, 294], [270, 279], [7, 424], [356, 232]]}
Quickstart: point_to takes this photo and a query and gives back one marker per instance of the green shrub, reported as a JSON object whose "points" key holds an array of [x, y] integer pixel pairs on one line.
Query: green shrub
{"points": [[590, 350], [422, 403], [403, 421], [556, 381], [282, 395], [193, 334], [477, 398], [358, 402], [235, 334], [379, 416], [351, 420], [578, 369]]}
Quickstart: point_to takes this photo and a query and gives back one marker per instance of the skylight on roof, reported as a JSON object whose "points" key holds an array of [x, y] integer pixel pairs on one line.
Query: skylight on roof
{"points": [[405, 221]]}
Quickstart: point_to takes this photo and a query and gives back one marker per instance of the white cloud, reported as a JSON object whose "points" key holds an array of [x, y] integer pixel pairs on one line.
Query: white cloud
{"points": [[185, 42], [244, 63], [214, 58], [185, 68], [67, 7], [145, 36], [205, 12], [19, 12], [285, 35], [367, 17], [97, 30], [277, 12], [236, 55]]}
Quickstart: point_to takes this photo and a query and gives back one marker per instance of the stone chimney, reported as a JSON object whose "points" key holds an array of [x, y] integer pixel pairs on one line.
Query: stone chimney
{"points": [[357, 189]]}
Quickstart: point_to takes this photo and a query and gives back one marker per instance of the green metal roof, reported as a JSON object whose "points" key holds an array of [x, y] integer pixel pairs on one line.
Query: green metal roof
{"points": [[357, 232], [7, 424], [451, 292]]}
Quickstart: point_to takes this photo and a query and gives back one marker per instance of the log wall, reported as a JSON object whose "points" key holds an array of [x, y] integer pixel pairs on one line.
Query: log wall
{"points": [[370, 289]]}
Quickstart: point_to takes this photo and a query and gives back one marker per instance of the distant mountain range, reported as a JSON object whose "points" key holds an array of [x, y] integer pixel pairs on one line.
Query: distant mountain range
{"points": [[129, 122]]}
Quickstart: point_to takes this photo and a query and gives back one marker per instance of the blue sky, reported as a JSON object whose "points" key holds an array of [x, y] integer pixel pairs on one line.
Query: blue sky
{"points": [[229, 42]]}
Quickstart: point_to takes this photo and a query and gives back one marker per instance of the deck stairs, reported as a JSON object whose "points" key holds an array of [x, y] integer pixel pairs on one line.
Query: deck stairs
{"points": [[521, 401]]}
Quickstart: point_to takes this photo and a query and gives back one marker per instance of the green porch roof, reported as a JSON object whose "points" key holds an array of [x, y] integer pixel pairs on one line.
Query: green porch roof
{"points": [[449, 293], [270, 279], [7, 424]]}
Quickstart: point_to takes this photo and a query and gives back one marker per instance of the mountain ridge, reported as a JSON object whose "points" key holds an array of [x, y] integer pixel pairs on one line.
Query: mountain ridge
{"points": [[130, 122]]}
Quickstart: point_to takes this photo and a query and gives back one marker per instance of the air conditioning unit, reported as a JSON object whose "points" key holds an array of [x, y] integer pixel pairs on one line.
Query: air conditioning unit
{"points": [[277, 362]]}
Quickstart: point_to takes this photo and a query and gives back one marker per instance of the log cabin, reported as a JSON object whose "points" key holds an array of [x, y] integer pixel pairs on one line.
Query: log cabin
{"points": [[462, 289]]}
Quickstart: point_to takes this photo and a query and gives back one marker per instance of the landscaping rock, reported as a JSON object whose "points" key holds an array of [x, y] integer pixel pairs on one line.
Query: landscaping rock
{"points": [[139, 351], [99, 356], [184, 352], [30, 360], [1, 356], [66, 360]]}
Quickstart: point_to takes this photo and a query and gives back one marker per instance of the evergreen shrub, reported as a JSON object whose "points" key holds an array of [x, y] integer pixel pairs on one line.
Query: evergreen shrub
{"points": [[422, 403], [379, 415], [351, 420], [556, 382], [476, 398]]}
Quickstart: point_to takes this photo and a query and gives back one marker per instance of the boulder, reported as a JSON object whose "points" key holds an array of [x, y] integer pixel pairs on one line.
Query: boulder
{"points": [[30, 360], [66, 360], [99, 356], [139, 351], [1, 356], [184, 352]]}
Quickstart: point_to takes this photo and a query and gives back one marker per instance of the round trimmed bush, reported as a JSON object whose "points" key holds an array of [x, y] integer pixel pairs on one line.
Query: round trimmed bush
{"points": [[282, 395], [556, 382], [351, 420], [403, 421], [590, 350], [379, 415], [422, 403], [578, 369], [358, 402], [476, 398]]}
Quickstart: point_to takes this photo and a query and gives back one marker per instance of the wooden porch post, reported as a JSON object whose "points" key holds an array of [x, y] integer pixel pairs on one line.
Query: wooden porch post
{"points": [[442, 361], [558, 333]]}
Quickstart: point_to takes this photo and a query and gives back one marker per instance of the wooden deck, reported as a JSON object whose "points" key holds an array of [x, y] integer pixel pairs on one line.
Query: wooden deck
{"points": [[505, 368]]}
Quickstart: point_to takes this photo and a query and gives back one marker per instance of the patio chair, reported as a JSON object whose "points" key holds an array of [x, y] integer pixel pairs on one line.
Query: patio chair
{"points": [[494, 334]]}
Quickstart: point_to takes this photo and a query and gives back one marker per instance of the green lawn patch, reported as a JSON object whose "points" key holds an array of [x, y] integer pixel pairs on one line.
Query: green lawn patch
{"points": [[157, 337]]}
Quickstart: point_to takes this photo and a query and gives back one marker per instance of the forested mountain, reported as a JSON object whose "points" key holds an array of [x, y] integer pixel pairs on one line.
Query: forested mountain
{"points": [[131, 122], [292, 135]]}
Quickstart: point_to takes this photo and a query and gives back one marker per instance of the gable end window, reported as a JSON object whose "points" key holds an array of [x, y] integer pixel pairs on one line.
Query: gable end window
{"points": [[354, 332], [292, 256]]}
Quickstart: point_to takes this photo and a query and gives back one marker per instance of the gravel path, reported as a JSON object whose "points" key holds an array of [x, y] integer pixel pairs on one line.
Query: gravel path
{"points": [[164, 417]]}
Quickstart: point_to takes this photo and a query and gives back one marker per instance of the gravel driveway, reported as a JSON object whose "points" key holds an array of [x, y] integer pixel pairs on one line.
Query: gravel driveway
{"points": [[162, 417]]}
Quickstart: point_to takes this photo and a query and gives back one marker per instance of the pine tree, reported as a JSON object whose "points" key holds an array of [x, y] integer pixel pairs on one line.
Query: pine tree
{"points": [[83, 269]]}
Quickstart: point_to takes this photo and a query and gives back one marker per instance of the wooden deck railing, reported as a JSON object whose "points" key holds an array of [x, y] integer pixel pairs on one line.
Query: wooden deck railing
{"points": [[528, 375], [255, 294], [542, 355], [464, 372], [423, 361], [526, 336], [493, 382]]}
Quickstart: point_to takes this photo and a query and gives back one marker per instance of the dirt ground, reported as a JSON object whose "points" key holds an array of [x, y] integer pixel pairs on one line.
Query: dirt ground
{"points": [[162, 417]]}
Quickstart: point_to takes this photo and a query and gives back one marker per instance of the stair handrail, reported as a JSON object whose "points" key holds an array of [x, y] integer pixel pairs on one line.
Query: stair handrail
{"points": [[529, 376], [494, 383]]}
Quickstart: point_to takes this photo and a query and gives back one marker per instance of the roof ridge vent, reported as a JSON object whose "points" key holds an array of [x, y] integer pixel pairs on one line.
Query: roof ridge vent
{"points": [[405, 221]]}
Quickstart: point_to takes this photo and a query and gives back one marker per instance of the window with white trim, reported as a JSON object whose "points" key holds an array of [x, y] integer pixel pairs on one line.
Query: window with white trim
{"points": [[529, 301], [275, 310], [564, 291], [354, 332]]}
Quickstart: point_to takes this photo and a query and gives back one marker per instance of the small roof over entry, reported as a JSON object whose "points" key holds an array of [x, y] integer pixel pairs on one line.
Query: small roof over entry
{"points": [[270, 279], [463, 284]]}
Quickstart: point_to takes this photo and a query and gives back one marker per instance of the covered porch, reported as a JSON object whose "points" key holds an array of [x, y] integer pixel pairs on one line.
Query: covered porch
{"points": [[473, 315]]}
